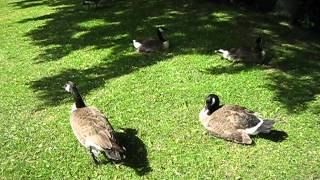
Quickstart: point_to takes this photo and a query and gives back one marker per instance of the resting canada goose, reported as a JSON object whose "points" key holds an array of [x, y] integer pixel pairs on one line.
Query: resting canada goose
{"points": [[232, 122], [92, 128], [151, 44], [255, 55]]}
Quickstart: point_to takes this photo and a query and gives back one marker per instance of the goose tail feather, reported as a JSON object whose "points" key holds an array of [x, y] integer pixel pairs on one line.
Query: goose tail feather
{"points": [[136, 44], [266, 126], [225, 53]]}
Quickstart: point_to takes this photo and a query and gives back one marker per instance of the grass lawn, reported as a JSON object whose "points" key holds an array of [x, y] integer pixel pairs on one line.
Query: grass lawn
{"points": [[43, 44]]}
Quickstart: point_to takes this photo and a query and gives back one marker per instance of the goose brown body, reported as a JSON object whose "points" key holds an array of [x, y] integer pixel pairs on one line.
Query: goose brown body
{"points": [[152, 44], [92, 128], [246, 55], [250, 55], [232, 122]]}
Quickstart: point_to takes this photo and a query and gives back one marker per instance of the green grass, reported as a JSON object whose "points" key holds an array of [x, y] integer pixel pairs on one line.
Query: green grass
{"points": [[46, 43]]}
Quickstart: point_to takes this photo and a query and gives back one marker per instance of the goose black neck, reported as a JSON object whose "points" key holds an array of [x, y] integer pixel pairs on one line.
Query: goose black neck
{"points": [[78, 99], [209, 112], [212, 108], [160, 36], [259, 47], [259, 44]]}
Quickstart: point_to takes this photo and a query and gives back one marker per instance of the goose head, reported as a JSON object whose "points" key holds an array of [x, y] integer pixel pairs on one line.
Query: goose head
{"points": [[165, 43], [161, 29], [69, 86], [212, 103]]}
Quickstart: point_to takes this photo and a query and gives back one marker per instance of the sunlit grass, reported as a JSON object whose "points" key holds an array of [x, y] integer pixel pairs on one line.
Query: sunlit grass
{"points": [[45, 44]]}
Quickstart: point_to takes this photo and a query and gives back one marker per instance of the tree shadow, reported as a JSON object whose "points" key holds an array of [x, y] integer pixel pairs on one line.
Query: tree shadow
{"points": [[295, 63], [34, 3], [195, 27], [72, 28], [136, 152], [50, 88], [232, 68], [298, 81]]}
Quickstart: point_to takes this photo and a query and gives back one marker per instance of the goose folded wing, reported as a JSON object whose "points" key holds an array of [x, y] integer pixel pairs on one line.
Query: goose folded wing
{"points": [[239, 117], [92, 128]]}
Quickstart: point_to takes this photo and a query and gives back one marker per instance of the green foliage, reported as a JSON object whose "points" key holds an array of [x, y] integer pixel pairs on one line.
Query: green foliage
{"points": [[158, 96]]}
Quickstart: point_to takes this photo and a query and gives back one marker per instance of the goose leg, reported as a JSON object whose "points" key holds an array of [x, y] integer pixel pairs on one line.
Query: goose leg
{"points": [[93, 156]]}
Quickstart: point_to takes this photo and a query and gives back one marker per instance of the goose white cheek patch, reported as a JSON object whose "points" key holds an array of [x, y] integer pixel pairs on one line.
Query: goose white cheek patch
{"points": [[68, 88], [203, 117], [74, 107], [213, 101]]}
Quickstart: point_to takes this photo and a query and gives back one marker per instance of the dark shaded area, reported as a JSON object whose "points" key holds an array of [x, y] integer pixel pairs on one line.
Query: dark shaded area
{"points": [[295, 65], [136, 152], [296, 84], [303, 13], [57, 38], [274, 135], [261, 5], [234, 68], [51, 90], [194, 27], [128, 21], [299, 80]]}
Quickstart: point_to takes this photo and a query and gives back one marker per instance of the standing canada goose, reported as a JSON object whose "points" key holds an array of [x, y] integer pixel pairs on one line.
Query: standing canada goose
{"points": [[254, 55], [232, 122], [151, 44], [92, 128]]}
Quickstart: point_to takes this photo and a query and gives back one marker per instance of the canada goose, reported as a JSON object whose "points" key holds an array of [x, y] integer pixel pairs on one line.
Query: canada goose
{"points": [[255, 55], [232, 122], [93, 129], [151, 44]]}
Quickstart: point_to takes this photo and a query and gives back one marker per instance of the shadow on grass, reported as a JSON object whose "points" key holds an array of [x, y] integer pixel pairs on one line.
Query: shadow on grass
{"points": [[298, 83], [51, 90], [73, 28], [136, 152], [233, 68], [294, 75], [195, 27], [274, 135]]}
